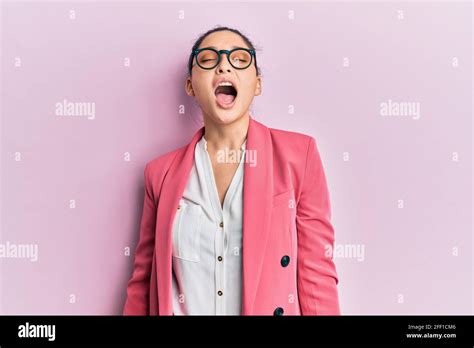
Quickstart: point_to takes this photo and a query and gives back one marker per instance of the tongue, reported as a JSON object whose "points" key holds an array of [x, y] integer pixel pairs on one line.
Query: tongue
{"points": [[225, 98]]}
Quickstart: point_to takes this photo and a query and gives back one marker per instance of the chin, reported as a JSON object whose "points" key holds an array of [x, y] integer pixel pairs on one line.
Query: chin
{"points": [[228, 117]]}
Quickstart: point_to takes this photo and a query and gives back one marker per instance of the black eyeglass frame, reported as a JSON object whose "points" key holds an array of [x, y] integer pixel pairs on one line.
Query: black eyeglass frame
{"points": [[228, 52]]}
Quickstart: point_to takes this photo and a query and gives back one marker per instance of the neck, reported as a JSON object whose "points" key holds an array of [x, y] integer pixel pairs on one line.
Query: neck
{"points": [[231, 135]]}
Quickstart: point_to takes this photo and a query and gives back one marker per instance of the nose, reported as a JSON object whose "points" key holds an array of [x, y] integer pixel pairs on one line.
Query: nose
{"points": [[224, 64]]}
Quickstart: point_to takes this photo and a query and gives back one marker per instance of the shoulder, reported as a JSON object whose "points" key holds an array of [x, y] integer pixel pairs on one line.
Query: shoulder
{"points": [[158, 166], [156, 170], [295, 144], [286, 135]]}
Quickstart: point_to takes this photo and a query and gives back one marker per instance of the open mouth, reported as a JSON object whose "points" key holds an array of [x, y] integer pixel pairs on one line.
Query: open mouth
{"points": [[225, 95]]}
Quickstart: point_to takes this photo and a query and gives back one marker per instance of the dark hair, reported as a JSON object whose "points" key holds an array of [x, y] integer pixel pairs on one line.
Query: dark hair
{"points": [[220, 28]]}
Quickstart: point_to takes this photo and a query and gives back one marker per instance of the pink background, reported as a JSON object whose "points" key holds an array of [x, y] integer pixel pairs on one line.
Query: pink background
{"points": [[417, 259]]}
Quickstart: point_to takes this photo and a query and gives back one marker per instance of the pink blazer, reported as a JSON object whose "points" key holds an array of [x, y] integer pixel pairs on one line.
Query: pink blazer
{"points": [[286, 229]]}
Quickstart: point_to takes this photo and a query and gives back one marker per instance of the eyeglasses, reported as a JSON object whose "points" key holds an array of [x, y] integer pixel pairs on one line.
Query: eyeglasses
{"points": [[208, 58]]}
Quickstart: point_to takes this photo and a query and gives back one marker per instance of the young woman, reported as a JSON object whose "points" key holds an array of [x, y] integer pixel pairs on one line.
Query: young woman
{"points": [[237, 221]]}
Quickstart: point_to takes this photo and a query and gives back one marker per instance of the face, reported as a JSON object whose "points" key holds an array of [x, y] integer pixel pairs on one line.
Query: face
{"points": [[217, 103]]}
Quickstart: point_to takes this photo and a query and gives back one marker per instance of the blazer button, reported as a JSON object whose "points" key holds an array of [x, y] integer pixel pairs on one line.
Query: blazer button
{"points": [[278, 311], [285, 260]]}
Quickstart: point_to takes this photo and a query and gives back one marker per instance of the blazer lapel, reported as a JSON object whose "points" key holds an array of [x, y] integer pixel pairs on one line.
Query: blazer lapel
{"points": [[257, 200], [172, 191]]}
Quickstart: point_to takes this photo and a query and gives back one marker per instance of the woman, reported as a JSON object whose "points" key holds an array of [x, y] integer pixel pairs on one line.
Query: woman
{"points": [[238, 221]]}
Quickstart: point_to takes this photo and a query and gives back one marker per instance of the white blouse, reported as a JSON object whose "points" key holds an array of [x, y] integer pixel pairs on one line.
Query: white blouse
{"points": [[207, 241]]}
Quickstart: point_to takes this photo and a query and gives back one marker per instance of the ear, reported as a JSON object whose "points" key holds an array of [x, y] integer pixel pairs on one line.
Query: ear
{"points": [[188, 87], [258, 87]]}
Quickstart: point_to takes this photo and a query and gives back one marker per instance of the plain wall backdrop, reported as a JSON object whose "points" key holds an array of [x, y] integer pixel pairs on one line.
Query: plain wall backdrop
{"points": [[400, 178]]}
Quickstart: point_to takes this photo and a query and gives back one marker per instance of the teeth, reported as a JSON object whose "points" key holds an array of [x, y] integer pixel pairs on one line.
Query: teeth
{"points": [[225, 84]]}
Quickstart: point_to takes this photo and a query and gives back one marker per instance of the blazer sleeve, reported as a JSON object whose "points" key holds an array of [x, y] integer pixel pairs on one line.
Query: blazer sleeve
{"points": [[138, 288], [316, 272]]}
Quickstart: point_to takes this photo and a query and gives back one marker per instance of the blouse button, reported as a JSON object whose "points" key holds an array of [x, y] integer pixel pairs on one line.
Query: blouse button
{"points": [[219, 258], [219, 293], [221, 224]]}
